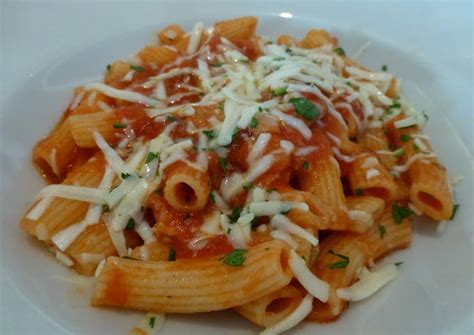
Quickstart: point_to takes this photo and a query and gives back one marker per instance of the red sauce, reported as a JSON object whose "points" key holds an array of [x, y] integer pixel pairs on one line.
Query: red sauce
{"points": [[182, 228], [116, 291]]}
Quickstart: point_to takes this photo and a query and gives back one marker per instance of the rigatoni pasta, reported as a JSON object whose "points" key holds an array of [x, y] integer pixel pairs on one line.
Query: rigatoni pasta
{"points": [[217, 170]]}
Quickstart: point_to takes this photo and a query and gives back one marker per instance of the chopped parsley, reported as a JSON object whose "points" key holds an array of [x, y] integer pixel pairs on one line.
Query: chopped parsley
{"points": [[125, 175], [359, 191], [416, 147], [398, 263], [270, 190], [286, 211], [381, 230], [228, 230], [384, 68], [340, 264], [109, 67], [234, 134], [455, 209], [405, 138], [151, 156], [171, 255], [305, 108], [220, 106], [128, 257], [152, 322], [223, 163], [399, 152], [210, 133], [261, 109], [340, 51], [278, 92], [119, 125], [255, 222], [288, 50], [212, 197], [170, 118], [234, 216], [219, 64], [254, 122], [130, 224], [105, 208], [137, 68], [400, 213], [234, 258], [306, 165], [249, 186]]}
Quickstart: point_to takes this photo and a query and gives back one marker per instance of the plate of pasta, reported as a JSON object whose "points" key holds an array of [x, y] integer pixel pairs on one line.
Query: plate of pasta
{"points": [[223, 174]]}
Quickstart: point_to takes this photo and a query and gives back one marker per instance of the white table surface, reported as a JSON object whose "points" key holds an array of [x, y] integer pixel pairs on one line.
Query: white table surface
{"points": [[34, 33]]}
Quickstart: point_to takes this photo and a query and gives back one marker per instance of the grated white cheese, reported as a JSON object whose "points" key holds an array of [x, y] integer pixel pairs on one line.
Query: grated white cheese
{"points": [[123, 94], [64, 259], [371, 173], [37, 211], [298, 315], [315, 286], [151, 323], [259, 147], [369, 283], [65, 237], [80, 193], [283, 223], [281, 235], [293, 122]]}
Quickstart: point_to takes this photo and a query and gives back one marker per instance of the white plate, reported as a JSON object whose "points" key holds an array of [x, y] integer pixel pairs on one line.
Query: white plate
{"points": [[434, 292]]}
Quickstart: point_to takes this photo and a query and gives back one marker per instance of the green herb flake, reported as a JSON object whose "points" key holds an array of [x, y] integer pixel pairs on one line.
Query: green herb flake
{"points": [[249, 186], [340, 264], [234, 258], [223, 163], [340, 51], [152, 322], [305, 108], [125, 175], [270, 190], [234, 134], [278, 92], [171, 118], [229, 230], [359, 192], [382, 231], [128, 257], [253, 123], [398, 263], [137, 68], [255, 222], [211, 134], [220, 106], [130, 224], [285, 212], [234, 216], [399, 152], [119, 125], [105, 208], [150, 157], [306, 165], [171, 255], [109, 67], [405, 138], [384, 68], [400, 213], [455, 209], [212, 197], [219, 64], [416, 147]]}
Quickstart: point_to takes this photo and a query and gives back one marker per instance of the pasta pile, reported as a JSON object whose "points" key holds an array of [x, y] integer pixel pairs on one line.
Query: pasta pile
{"points": [[217, 170]]}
